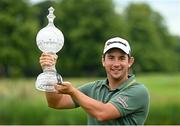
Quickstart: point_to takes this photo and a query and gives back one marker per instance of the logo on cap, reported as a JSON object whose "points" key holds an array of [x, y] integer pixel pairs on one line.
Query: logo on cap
{"points": [[117, 42]]}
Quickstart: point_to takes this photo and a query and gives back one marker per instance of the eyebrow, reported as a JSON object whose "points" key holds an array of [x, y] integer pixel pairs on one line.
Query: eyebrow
{"points": [[116, 42], [110, 55]]}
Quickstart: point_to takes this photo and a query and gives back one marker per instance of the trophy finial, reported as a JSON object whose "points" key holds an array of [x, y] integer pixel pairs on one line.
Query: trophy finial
{"points": [[51, 15]]}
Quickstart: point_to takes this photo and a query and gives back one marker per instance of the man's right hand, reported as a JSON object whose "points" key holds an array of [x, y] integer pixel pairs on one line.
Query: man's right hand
{"points": [[47, 60]]}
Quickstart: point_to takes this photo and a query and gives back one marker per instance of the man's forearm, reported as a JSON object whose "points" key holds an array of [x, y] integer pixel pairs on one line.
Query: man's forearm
{"points": [[92, 106], [101, 111], [59, 101], [53, 99]]}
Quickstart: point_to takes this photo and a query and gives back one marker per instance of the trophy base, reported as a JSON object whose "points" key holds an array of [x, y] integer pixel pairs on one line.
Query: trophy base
{"points": [[46, 81]]}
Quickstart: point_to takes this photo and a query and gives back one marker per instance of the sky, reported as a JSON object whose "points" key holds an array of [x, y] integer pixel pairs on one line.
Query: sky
{"points": [[169, 9]]}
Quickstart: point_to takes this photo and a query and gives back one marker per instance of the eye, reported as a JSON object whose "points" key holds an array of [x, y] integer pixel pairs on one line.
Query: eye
{"points": [[122, 58], [110, 57]]}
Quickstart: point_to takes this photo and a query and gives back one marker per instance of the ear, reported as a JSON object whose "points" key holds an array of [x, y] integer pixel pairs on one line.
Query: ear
{"points": [[131, 61], [102, 60]]}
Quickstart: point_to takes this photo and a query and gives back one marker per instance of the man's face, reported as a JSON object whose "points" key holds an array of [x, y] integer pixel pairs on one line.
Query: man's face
{"points": [[116, 63]]}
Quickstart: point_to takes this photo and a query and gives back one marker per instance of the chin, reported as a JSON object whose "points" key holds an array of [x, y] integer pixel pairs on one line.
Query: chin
{"points": [[116, 77]]}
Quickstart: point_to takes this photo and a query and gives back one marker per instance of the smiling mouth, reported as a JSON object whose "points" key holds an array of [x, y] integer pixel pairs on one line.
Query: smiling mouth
{"points": [[115, 70]]}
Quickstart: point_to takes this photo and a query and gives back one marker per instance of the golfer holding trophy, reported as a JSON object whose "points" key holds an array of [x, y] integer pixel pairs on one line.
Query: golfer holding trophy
{"points": [[49, 40], [116, 100]]}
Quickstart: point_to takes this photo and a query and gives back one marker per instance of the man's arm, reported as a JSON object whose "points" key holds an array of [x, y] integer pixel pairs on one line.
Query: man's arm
{"points": [[55, 100], [59, 101], [101, 111]]}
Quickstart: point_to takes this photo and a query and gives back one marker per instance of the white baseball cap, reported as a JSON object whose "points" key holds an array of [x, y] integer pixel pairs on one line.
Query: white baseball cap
{"points": [[117, 42]]}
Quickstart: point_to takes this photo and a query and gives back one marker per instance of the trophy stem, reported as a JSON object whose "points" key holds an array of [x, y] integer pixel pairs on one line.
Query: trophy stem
{"points": [[49, 68]]}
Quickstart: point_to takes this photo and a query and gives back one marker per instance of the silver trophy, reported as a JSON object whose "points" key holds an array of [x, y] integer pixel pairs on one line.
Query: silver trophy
{"points": [[50, 40]]}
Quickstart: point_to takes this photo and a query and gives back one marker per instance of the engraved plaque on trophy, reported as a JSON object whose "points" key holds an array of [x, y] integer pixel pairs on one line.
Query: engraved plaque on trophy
{"points": [[51, 40]]}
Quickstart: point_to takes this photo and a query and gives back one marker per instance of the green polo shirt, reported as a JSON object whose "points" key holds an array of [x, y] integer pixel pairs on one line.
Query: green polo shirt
{"points": [[130, 98]]}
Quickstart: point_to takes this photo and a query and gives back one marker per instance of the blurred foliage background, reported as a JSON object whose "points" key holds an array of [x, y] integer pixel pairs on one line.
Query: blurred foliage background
{"points": [[86, 25]]}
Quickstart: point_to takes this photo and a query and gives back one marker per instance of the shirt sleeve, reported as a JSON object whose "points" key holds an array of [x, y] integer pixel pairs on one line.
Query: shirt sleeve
{"points": [[131, 100]]}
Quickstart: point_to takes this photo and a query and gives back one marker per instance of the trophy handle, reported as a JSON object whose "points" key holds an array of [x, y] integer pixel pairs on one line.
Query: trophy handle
{"points": [[59, 78]]}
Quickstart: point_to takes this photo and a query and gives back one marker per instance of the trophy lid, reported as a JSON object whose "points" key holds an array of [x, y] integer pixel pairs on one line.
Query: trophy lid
{"points": [[50, 38]]}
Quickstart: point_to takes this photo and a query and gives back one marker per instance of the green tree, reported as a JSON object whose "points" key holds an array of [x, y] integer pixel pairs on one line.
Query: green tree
{"points": [[17, 38], [152, 43], [86, 25]]}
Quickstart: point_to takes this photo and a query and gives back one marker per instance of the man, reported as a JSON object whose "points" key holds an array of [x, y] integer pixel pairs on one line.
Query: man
{"points": [[117, 100]]}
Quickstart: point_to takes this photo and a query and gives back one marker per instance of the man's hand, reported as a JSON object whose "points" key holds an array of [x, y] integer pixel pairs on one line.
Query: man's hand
{"points": [[47, 60], [65, 88], [61, 99]]}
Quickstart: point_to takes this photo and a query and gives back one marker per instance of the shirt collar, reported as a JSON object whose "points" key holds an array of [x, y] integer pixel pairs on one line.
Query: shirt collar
{"points": [[131, 79]]}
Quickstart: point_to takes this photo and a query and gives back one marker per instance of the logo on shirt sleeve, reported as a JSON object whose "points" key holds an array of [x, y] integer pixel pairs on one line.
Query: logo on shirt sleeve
{"points": [[122, 101]]}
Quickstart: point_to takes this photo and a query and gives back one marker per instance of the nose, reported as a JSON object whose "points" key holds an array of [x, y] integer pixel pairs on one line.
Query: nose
{"points": [[116, 63]]}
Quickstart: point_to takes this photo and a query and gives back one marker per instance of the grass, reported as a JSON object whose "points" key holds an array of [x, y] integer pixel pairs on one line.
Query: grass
{"points": [[163, 89], [21, 103], [165, 98]]}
